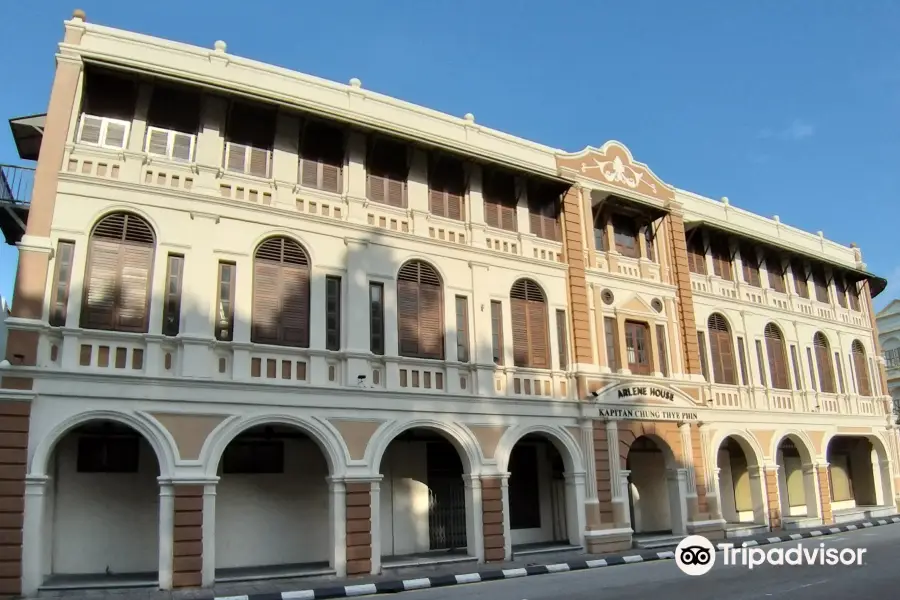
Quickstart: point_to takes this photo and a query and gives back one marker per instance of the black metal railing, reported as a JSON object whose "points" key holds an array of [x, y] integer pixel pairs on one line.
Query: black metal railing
{"points": [[16, 184]]}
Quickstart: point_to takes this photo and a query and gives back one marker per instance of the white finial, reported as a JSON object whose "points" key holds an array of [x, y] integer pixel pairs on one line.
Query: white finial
{"points": [[4, 363], [470, 118], [355, 83], [777, 219], [725, 200], [78, 15], [220, 46], [820, 234]]}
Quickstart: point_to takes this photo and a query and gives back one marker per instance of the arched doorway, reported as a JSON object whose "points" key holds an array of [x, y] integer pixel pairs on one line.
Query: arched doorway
{"points": [[541, 504], [272, 506], [101, 509], [655, 496], [859, 478], [741, 496], [797, 489], [424, 501]]}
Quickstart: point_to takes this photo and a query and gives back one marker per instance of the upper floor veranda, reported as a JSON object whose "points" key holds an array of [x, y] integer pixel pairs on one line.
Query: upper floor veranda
{"points": [[187, 136]]}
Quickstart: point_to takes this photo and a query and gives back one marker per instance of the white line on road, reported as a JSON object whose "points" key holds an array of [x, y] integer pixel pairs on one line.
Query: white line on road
{"points": [[794, 589]]}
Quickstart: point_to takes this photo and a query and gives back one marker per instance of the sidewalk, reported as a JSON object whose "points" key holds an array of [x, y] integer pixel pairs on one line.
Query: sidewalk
{"points": [[404, 579]]}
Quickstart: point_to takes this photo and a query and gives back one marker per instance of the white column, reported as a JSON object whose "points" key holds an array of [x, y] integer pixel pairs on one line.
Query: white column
{"points": [[482, 328], [139, 122], [375, 520], [590, 461], [507, 530], [337, 512], [612, 443], [523, 220], [166, 534], [208, 572], [33, 536], [285, 157], [476, 205], [243, 302], [576, 523], [687, 450], [811, 491], [355, 176], [624, 474], [474, 517], [677, 501], [211, 142], [710, 467], [417, 190]]}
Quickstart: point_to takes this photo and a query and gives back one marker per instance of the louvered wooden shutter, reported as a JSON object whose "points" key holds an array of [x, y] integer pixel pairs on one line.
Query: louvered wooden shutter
{"points": [[800, 282], [750, 262], [531, 347], [722, 350], [115, 134], [697, 255], [182, 146], [823, 362], [281, 294], [90, 129], [322, 157], [420, 311], [158, 142], [120, 265], [862, 372], [777, 358], [499, 193], [776, 274], [236, 157]]}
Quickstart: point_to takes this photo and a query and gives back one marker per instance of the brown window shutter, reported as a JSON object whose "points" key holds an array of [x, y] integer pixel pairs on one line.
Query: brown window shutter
{"points": [[823, 362], [776, 274], [531, 347], [863, 387], [750, 263], [281, 294], [62, 278], [801, 285], [777, 358], [722, 350], [499, 193], [120, 266], [420, 311], [696, 255]]}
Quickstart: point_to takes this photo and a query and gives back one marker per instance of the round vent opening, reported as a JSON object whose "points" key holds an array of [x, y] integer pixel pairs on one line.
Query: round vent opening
{"points": [[657, 305], [607, 297]]}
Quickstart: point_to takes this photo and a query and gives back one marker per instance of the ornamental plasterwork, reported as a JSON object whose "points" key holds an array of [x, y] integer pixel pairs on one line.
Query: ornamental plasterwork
{"points": [[613, 165]]}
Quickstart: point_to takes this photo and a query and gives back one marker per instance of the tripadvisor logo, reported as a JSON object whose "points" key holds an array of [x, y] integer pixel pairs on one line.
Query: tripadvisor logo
{"points": [[696, 555]]}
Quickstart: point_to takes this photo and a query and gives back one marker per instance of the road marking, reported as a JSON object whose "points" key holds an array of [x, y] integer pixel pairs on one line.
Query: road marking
{"points": [[794, 589]]}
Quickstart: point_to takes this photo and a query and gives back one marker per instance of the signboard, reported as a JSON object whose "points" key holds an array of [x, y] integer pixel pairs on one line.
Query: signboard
{"points": [[649, 414], [648, 391]]}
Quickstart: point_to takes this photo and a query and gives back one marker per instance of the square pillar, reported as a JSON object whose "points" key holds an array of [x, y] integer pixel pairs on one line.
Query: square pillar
{"points": [[187, 534], [495, 518], [208, 574], [474, 517], [14, 421], [32, 538], [359, 527], [825, 493], [773, 502]]}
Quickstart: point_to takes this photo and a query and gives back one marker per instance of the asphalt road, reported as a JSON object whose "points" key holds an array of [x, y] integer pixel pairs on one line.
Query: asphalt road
{"points": [[877, 577]]}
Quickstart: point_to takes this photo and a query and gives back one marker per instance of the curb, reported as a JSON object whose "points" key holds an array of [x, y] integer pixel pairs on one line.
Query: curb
{"points": [[405, 585]]}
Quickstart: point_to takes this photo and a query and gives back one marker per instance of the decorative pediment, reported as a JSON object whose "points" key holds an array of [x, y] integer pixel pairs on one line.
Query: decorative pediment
{"points": [[613, 165], [637, 304]]}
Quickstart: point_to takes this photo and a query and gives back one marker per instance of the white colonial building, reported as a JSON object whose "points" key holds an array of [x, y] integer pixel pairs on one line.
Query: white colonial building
{"points": [[268, 325]]}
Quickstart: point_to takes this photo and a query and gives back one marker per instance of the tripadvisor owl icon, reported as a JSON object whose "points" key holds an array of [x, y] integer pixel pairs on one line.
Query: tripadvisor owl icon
{"points": [[695, 555]]}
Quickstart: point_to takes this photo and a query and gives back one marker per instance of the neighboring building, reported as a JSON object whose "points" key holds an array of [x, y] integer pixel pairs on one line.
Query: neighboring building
{"points": [[888, 323], [269, 324]]}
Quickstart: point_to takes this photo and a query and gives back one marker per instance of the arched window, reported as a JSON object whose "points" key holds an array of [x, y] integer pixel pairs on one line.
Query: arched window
{"points": [[722, 350], [531, 342], [823, 362], [119, 274], [420, 311], [280, 294], [860, 366], [778, 366]]}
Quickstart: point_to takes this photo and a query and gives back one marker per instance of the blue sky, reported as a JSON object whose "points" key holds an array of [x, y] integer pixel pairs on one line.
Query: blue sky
{"points": [[787, 108]]}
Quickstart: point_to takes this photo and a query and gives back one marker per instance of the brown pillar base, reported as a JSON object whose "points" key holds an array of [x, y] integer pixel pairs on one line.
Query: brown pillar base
{"points": [[14, 420], [187, 562], [359, 528], [492, 519]]}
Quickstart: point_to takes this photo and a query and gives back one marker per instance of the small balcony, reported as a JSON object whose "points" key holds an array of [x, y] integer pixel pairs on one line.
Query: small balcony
{"points": [[16, 184]]}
